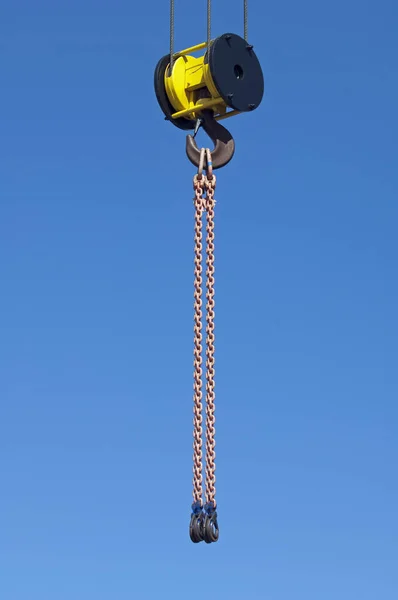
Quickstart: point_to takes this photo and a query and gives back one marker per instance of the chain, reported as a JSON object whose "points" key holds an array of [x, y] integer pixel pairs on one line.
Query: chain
{"points": [[210, 383], [204, 524], [198, 293]]}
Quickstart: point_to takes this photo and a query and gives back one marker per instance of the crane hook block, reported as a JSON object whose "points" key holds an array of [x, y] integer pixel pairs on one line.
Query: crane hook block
{"points": [[227, 76]]}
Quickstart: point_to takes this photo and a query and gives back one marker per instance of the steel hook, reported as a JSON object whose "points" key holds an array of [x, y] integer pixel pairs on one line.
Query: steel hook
{"points": [[224, 145], [196, 529], [196, 523], [210, 525]]}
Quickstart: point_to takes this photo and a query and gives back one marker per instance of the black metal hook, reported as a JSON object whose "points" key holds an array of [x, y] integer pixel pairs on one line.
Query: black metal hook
{"points": [[196, 529], [210, 525], [224, 145], [196, 524]]}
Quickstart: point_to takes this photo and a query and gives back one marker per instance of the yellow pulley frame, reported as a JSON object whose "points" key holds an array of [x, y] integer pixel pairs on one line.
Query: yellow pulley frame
{"points": [[185, 85]]}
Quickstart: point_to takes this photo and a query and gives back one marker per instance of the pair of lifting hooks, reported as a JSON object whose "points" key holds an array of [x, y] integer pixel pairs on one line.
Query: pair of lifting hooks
{"points": [[203, 526]]}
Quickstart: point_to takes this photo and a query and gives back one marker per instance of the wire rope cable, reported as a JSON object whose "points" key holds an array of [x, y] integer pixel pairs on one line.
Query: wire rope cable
{"points": [[208, 24], [209, 7], [172, 26], [245, 20]]}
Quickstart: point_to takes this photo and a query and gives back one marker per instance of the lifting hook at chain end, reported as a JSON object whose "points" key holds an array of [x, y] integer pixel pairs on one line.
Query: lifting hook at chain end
{"points": [[203, 526], [210, 529], [224, 144], [196, 524]]}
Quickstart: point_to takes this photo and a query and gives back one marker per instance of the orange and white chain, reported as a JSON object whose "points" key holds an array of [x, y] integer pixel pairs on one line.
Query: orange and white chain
{"points": [[197, 397], [204, 186], [210, 341]]}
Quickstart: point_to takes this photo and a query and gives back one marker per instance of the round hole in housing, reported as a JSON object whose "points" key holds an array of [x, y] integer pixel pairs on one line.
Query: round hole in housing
{"points": [[238, 71]]}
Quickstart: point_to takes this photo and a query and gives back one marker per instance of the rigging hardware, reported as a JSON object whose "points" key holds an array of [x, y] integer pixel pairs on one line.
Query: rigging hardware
{"points": [[193, 92], [226, 80], [224, 145]]}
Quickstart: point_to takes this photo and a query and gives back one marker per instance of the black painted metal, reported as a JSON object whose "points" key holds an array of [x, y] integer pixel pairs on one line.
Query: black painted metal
{"points": [[236, 72], [162, 98]]}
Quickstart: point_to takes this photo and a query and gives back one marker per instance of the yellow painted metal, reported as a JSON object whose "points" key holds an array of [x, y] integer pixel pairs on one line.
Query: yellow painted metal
{"points": [[204, 104], [176, 83], [191, 49], [190, 87], [227, 115]]}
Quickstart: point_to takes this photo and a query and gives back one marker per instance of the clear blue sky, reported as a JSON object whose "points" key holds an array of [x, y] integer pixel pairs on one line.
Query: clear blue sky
{"points": [[96, 309]]}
